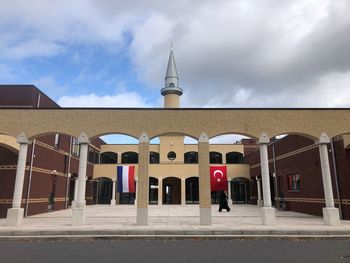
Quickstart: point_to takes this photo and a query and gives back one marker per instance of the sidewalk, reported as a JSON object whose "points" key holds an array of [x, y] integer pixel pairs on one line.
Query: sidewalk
{"points": [[171, 221]]}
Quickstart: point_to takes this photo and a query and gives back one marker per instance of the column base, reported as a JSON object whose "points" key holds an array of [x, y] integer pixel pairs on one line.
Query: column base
{"points": [[331, 216], [205, 216], [74, 204], [260, 203], [142, 216], [268, 216], [113, 202], [15, 216], [78, 216], [135, 202]]}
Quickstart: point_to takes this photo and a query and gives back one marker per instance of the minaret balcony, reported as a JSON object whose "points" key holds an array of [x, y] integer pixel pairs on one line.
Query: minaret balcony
{"points": [[171, 90]]}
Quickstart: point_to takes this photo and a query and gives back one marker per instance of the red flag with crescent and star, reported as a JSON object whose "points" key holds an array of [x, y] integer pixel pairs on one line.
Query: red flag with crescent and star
{"points": [[218, 178]]}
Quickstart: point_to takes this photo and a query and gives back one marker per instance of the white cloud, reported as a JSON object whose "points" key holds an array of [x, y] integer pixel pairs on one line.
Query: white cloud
{"points": [[125, 99], [230, 53]]}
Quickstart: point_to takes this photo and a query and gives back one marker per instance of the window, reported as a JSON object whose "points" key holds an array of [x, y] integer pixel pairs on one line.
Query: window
{"points": [[57, 140], [171, 156], [293, 182], [191, 157], [234, 157], [93, 155], [130, 157], [215, 157], [109, 157], [153, 157], [75, 147]]}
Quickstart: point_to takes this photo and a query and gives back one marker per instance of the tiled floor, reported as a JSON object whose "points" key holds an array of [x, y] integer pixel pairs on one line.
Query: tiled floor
{"points": [[172, 217]]}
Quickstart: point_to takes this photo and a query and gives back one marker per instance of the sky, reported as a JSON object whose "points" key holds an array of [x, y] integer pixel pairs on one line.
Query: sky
{"points": [[229, 53]]}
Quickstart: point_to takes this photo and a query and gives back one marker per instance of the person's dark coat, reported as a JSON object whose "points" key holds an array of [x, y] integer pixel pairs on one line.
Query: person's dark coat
{"points": [[223, 202]]}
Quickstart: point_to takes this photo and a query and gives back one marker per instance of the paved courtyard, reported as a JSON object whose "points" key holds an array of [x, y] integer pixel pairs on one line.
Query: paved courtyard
{"points": [[122, 218]]}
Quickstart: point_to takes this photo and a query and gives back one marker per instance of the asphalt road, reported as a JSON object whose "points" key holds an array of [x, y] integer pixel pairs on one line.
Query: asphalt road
{"points": [[104, 251]]}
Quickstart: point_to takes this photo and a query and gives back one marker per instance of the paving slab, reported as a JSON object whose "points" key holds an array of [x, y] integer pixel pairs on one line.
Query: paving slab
{"points": [[165, 221]]}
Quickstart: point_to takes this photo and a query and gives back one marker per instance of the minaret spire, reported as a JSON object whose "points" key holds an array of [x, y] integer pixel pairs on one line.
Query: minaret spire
{"points": [[171, 77]]}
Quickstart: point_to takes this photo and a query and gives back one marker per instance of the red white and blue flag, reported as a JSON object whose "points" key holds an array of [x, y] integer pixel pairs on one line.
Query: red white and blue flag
{"points": [[126, 179]]}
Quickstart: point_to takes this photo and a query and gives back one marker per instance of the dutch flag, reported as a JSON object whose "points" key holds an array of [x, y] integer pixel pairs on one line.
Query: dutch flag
{"points": [[126, 179]]}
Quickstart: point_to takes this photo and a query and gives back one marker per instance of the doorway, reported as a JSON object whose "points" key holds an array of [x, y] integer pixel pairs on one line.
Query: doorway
{"points": [[172, 191]]}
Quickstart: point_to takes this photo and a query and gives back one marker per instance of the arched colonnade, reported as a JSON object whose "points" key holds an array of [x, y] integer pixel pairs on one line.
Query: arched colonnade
{"points": [[262, 124]]}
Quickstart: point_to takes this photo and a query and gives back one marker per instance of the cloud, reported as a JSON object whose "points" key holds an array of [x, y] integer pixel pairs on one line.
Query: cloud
{"points": [[125, 99], [229, 53]]}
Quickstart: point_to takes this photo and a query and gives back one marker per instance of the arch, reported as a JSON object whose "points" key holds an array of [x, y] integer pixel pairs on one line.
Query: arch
{"points": [[51, 132], [117, 133], [171, 190], [191, 157], [153, 157], [130, 157], [172, 133], [153, 190], [248, 135], [108, 157], [215, 157], [9, 143], [303, 134], [234, 157], [192, 190]]}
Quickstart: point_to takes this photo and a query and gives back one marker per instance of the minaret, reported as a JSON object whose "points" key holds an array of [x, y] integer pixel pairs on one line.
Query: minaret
{"points": [[171, 91]]}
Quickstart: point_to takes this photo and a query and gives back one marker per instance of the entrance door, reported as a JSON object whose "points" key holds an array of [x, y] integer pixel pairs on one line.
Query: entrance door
{"points": [[172, 191], [105, 188], [239, 188]]}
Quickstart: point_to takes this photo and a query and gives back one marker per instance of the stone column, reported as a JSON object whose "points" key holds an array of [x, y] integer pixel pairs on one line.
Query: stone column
{"points": [[204, 180], [75, 192], [229, 194], [183, 191], [269, 217], [78, 215], [330, 213], [15, 214], [259, 201], [113, 192], [160, 191], [143, 181]]}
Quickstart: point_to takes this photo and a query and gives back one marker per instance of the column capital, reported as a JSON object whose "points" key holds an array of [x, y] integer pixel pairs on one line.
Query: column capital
{"points": [[203, 137], [324, 138], [83, 138], [22, 139], [264, 139], [144, 138]]}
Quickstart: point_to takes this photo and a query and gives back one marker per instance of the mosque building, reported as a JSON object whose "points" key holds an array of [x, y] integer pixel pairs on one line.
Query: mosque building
{"points": [[58, 159], [173, 169]]}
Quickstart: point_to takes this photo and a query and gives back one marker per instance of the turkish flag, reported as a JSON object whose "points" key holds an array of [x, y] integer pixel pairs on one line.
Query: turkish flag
{"points": [[218, 178]]}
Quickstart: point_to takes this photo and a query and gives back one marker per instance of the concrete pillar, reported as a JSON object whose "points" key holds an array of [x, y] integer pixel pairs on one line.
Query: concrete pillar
{"points": [[269, 214], [113, 192], [258, 186], [78, 213], [75, 192], [143, 181], [15, 214], [160, 191], [330, 213], [204, 180], [229, 194], [183, 191]]}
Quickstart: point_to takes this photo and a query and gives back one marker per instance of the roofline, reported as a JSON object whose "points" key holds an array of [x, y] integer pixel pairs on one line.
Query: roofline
{"points": [[172, 109]]}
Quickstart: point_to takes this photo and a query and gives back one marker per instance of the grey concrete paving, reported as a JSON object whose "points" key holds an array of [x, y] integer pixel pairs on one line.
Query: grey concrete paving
{"points": [[172, 220]]}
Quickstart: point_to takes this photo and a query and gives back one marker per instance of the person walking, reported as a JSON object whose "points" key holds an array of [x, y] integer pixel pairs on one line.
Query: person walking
{"points": [[223, 202]]}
